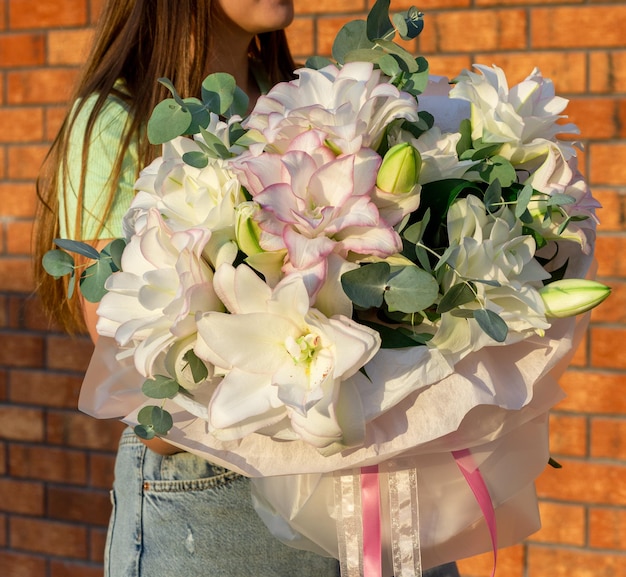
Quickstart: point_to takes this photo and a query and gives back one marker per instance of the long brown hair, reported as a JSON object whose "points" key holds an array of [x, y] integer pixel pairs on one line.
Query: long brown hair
{"points": [[137, 42]]}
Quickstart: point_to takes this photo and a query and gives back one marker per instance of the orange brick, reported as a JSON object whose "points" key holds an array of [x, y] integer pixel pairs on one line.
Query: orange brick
{"points": [[3, 531], [19, 235], [499, 30], [16, 275], [606, 349], [49, 14], [427, 7], [64, 352], [328, 6], [42, 85], [556, 562], [3, 452], [612, 215], [18, 199], [68, 46], [327, 29], [101, 470], [301, 37], [95, 9], [567, 70], [21, 497], [82, 431], [593, 392], [579, 359], [67, 569], [607, 71], [449, 66], [72, 504], [45, 388], [21, 350], [26, 313], [53, 121], [510, 563], [608, 438], [568, 435], [583, 481], [48, 464], [3, 385], [604, 168], [21, 424], [621, 118], [25, 161], [3, 155], [97, 542], [561, 524], [48, 537], [607, 529], [21, 124], [610, 255], [22, 50], [595, 117], [553, 27], [20, 565]]}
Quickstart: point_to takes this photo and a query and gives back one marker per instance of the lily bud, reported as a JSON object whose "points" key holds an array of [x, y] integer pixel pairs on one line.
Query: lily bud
{"points": [[572, 296], [247, 231], [400, 169]]}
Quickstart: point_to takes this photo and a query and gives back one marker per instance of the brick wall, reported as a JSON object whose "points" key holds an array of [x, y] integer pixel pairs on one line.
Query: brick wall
{"points": [[56, 464]]}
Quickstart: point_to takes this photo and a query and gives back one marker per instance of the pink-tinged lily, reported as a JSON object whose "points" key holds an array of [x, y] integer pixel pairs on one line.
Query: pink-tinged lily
{"points": [[289, 368], [352, 105], [314, 205]]}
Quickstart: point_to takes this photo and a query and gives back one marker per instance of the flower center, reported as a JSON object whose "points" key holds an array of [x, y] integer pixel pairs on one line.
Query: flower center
{"points": [[303, 349]]}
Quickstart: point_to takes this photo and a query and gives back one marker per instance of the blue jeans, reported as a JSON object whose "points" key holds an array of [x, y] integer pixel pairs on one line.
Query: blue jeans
{"points": [[180, 516]]}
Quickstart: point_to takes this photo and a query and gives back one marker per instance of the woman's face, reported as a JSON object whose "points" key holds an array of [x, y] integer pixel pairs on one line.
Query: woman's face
{"points": [[257, 16]]}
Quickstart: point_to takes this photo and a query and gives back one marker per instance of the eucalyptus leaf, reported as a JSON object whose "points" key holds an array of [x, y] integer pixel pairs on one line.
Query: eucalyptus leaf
{"points": [[161, 421], [415, 23], [559, 199], [145, 432], [411, 290], [457, 295], [490, 322], [523, 198], [317, 62], [389, 65], [168, 121], [378, 22], [93, 278], [443, 259], [71, 285], [218, 92], [406, 57], [415, 83], [213, 145], [240, 104], [401, 24], [493, 196], [199, 371], [196, 159], [200, 116], [160, 387], [170, 86], [365, 285], [115, 249], [78, 247], [498, 168], [465, 142], [352, 36], [58, 263]]}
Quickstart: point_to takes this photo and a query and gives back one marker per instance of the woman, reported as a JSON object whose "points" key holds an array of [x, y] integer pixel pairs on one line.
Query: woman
{"points": [[174, 514]]}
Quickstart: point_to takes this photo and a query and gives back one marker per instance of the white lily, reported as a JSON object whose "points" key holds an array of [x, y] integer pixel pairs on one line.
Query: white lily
{"points": [[285, 363]]}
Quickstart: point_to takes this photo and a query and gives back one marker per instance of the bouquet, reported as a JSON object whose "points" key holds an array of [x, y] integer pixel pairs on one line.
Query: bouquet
{"points": [[376, 267]]}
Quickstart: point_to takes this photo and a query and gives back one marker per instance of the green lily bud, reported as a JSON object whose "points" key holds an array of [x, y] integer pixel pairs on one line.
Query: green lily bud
{"points": [[572, 296], [247, 231], [400, 169]]}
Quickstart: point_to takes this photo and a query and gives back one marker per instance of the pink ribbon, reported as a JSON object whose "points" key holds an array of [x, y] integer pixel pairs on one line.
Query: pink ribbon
{"points": [[476, 483], [370, 503]]}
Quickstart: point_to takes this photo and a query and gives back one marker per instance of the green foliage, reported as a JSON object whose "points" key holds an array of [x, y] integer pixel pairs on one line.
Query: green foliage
{"points": [[198, 369], [153, 421], [91, 277], [160, 387], [178, 116]]}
